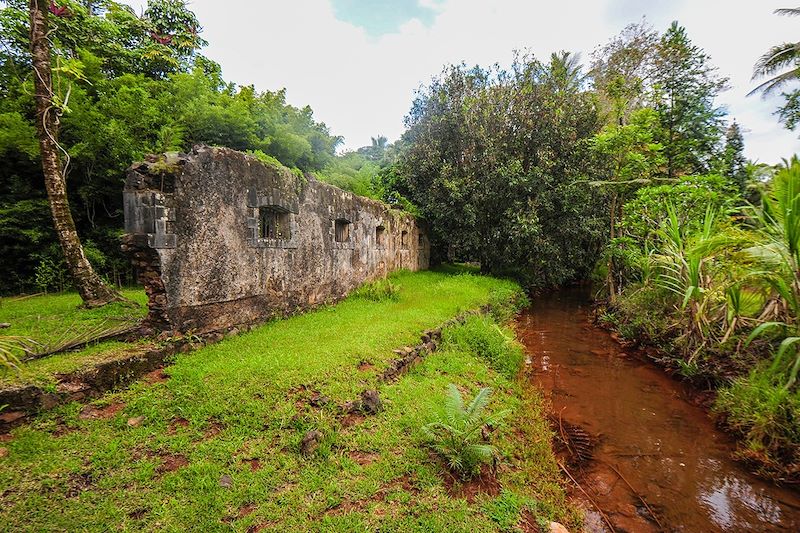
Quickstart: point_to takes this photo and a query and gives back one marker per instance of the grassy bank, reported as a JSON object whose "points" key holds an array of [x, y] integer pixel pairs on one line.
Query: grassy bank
{"points": [[214, 443], [55, 320]]}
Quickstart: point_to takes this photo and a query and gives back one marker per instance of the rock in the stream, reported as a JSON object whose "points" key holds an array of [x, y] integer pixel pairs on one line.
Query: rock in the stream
{"points": [[310, 442], [371, 402]]}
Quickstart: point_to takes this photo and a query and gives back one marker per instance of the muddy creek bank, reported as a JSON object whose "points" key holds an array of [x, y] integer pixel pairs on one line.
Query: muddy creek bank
{"points": [[644, 432]]}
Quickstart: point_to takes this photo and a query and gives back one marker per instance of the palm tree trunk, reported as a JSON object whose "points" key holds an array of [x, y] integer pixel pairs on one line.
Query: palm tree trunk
{"points": [[91, 288]]}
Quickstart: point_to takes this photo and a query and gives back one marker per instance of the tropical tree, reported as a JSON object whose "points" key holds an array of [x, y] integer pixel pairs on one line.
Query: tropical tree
{"points": [[49, 105], [684, 88], [566, 71], [733, 162], [494, 160], [630, 158], [781, 66], [621, 70], [781, 63]]}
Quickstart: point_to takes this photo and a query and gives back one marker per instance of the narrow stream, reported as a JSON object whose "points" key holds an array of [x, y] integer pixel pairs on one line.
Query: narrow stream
{"points": [[665, 447]]}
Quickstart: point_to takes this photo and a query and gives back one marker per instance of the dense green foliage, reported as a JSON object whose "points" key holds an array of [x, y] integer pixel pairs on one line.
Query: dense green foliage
{"points": [[504, 187], [127, 86], [714, 283], [691, 266], [240, 408]]}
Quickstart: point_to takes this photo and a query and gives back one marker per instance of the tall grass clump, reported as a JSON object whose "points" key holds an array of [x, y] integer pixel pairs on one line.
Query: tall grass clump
{"points": [[483, 337], [378, 291], [767, 414], [506, 302]]}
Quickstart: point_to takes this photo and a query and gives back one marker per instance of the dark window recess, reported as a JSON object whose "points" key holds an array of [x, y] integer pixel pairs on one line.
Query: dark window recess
{"points": [[342, 230], [421, 240], [273, 223], [404, 240], [380, 233]]}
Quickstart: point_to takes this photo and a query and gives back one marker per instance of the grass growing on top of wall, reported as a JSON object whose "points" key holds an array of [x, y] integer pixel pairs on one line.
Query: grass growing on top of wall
{"points": [[216, 446], [54, 319]]}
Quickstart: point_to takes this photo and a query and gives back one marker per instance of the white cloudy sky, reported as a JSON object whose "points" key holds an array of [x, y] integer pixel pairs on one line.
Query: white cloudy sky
{"points": [[357, 62]]}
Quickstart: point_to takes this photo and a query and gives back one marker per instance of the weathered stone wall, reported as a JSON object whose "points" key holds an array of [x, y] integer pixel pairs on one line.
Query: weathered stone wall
{"points": [[195, 230]]}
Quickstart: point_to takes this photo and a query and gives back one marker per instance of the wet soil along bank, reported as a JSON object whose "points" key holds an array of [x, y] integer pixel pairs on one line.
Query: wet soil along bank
{"points": [[641, 432]]}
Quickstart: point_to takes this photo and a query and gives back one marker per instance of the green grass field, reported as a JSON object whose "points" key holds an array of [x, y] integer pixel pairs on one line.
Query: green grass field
{"points": [[215, 447], [56, 319]]}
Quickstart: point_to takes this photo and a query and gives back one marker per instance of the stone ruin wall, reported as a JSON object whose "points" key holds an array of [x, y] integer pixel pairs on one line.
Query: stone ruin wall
{"points": [[222, 240]]}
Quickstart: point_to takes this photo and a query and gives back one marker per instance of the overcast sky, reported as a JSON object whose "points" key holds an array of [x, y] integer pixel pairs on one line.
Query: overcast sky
{"points": [[357, 62]]}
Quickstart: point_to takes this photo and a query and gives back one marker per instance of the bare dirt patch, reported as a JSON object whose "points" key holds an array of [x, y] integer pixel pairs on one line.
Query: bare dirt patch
{"points": [[352, 419], [527, 522], [156, 376], [171, 463], [254, 463], [484, 483], [245, 510], [177, 423], [215, 428], [90, 412], [364, 458]]}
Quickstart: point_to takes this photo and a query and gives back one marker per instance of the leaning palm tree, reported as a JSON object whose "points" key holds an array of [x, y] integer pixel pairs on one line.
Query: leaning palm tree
{"points": [[775, 62], [93, 291]]}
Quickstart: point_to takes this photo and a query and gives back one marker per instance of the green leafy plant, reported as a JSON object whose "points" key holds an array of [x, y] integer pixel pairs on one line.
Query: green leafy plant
{"points": [[683, 260], [780, 254], [457, 436]]}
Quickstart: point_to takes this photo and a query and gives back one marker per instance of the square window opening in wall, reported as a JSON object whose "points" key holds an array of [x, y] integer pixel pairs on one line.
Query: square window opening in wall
{"points": [[380, 236], [404, 240], [342, 230], [273, 223]]}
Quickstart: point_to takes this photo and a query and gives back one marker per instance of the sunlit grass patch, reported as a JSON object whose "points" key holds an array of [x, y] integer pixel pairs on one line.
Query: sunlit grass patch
{"points": [[217, 445]]}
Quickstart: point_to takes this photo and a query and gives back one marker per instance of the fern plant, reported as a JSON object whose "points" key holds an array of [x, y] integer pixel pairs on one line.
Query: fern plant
{"points": [[457, 436]]}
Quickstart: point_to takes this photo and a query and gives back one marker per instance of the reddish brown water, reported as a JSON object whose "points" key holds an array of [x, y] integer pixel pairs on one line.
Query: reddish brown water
{"points": [[666, 448]]}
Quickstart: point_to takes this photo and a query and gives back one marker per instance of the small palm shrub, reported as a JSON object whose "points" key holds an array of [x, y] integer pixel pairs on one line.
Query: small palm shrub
{"points": [[457, 435], [379, 291]]}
